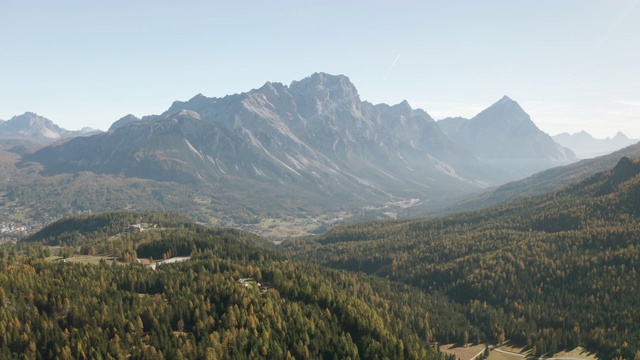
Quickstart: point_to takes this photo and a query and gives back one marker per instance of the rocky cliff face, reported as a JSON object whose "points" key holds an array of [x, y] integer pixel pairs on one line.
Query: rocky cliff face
{"points": [[315, 134], [318, 137]]}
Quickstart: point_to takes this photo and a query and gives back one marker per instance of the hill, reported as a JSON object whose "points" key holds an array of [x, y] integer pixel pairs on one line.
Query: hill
{"points": [[87, 229], [229, 300], [550, 271], [543, 182]]}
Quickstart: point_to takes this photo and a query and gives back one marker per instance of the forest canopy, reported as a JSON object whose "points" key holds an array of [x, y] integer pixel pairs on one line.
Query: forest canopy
{"points": [[549, 272]]}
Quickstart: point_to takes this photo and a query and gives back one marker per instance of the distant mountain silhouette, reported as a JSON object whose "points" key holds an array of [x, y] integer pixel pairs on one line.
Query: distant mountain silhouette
{"points": [[31, 127], [586, 146]]}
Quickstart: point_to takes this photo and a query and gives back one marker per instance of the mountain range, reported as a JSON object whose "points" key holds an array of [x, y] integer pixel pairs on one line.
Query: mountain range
{"points": [[586, 146], [564, 261], [504, 136], [553, 267], [33, 128], [315, 136], [546, 274]]}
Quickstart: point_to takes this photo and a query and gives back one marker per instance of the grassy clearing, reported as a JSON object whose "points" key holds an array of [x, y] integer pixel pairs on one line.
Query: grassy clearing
{"points": [[463, 353], [86, 259], [577, 353], [520, 353], [514, 352], [279, 228], [90, 259]]}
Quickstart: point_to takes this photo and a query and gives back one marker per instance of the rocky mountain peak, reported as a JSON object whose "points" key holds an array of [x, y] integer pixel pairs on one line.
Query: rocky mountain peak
{"points": [[127, 119], [506, 115], [504, 135], [272, 86], [29, 119], [188, 114], [403, 107], [620, 136], [325, 86], [33, 128], [322, 79], [196, 103], [31, 124], [505, 100], [507, 106], [271, 89]]}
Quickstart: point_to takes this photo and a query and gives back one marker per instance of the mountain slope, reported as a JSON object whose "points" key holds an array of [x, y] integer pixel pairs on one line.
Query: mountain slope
{"points": [[315, 136], [546, 181], [323, 114], [586, 146], [230, 299], [504, 136], [550, 271]]}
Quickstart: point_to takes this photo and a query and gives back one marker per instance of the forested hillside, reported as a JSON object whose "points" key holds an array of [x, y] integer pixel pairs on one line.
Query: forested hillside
{"points": [[550, 272], [118, 308]]}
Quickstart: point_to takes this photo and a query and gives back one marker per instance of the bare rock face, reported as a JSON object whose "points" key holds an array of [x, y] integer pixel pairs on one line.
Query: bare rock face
{"points": [[315, 136], [31, 127]]}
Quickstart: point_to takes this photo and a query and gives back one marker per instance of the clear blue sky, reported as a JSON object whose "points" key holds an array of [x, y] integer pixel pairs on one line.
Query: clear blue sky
{"points": [[572, 65]]}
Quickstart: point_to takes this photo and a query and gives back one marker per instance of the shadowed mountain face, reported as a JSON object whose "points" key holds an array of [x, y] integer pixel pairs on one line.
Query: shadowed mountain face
{"points": [[504, 136]]}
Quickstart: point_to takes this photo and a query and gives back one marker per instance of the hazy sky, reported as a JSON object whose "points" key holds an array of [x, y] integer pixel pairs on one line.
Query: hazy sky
{"points": [[572, 65]]}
